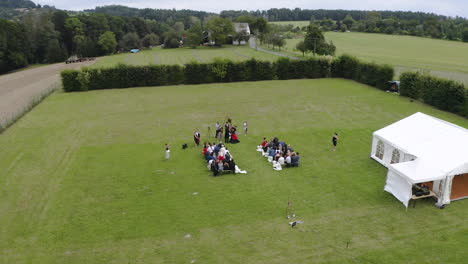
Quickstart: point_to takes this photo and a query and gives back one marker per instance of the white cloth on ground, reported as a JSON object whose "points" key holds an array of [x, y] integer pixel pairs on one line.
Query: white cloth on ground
{"points": [[238, 170]]}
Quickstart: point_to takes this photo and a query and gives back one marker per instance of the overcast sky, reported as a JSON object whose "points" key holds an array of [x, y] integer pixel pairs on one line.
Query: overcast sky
{"points": [[443, 7]]}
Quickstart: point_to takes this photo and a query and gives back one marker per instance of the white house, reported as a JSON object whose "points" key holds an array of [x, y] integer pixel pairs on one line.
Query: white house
{"points": [[423, 149], [244, 29]]}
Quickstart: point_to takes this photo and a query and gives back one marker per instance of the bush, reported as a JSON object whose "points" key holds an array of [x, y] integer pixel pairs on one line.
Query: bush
{"points": [[408, 85], [69, 80], [282, 68], [444, 94], [349, 67]]}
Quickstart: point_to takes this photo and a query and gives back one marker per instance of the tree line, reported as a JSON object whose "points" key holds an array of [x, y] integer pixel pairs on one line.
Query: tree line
{"points": [[48, 35], [388, 22]]}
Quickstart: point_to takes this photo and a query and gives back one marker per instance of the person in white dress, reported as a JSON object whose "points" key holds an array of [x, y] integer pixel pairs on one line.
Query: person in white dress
{"points": [[168, 151]]}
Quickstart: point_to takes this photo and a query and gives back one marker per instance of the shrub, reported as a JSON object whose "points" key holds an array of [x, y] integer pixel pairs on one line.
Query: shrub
{"points": [[349, 67], [282, 68], [70, 81], [196, 73], [444, 94], [408, 85]]}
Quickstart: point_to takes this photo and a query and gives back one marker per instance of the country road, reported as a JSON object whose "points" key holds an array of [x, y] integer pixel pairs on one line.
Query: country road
{"points": [[19, 89]]}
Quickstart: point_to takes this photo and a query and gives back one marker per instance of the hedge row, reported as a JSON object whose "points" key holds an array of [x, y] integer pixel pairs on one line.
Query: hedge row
{"points": [[372, 74], [444, 94], [123, 76]]}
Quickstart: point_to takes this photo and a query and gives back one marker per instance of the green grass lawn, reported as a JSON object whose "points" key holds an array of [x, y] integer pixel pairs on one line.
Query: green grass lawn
{"points": [[185, 55], [84, 180], [444, 58]]}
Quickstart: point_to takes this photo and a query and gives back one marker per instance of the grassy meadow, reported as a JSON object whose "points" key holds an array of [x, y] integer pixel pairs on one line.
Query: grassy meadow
{"points": [[448, 59], [185, 55], [294, 23], [84, 180]]}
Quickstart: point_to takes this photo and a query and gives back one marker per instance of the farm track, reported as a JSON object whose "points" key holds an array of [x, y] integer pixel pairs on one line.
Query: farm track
{"points": [[19, 89]]}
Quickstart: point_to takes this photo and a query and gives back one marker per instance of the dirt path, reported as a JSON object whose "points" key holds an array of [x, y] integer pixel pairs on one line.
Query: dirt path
{"points": [[19, 89]]}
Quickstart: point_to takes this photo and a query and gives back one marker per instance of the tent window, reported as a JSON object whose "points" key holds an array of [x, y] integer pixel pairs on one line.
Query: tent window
{"points": [[380, 150], [395, 156]]}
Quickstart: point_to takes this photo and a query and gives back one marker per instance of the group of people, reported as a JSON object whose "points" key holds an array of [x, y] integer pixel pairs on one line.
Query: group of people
{"points": [[230, 132], [219, 159], [279, 153]]}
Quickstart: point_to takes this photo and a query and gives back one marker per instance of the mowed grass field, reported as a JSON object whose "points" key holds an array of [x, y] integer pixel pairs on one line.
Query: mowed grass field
{"points": [[84, 180], [185, 55], [448, 59]]}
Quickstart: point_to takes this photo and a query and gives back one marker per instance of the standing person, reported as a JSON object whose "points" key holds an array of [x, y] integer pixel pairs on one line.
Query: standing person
{"points": [[335, 141], [227, 132], [246, 127], [168, 151], [196, 137], [218, 129]]}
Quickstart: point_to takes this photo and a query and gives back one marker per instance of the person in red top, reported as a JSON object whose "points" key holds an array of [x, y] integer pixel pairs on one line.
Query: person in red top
{"points": [[234, 138], [264, 142], [205, 149]]}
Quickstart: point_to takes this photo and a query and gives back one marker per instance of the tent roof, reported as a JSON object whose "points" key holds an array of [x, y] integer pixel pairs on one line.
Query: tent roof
{"points": [[441, 147]]}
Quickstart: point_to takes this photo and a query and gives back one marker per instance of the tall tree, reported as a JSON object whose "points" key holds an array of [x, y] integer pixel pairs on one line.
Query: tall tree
{"points": [[219, 28], [130, 41], [314, 41], [349, 21], [195, 35], [300, 46], [107, 42], [150, 40]]}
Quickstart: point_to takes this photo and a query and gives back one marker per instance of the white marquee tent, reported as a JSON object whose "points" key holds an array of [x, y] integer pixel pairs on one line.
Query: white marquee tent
{"points": [[423, 149]]}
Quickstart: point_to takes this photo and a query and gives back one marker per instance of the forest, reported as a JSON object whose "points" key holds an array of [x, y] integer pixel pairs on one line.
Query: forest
{"points": [[47, 35]]}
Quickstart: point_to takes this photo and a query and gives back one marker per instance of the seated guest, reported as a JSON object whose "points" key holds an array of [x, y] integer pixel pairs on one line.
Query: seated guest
{"points": [[234, 138], [295, 159], [278, 165], [287, 160], [281, 160], [271, 154], [222, 150], [220, 165], [208, 157], [214, 168], [210, 148], [216, 149], [205, 149], [232, 166]]}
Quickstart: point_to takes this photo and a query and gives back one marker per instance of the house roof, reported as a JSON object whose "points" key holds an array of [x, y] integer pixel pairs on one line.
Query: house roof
{"points": [[440, 147], [239, 27]]}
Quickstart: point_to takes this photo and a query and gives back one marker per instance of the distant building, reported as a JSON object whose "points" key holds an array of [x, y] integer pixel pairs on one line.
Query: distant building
{"points": [[242, 33]]}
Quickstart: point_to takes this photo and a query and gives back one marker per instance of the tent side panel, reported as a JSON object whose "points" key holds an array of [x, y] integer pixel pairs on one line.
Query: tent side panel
{"points": [[375, 140], [399, 187], [459, 187]]}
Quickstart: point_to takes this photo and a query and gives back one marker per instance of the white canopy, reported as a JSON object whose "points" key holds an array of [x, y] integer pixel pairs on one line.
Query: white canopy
{"points": [[440, 148]]}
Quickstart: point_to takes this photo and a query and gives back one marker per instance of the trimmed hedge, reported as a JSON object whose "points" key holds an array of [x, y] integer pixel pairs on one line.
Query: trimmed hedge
{"points": [[69, 80], [441, 93], [222, 70], [372, 74]]}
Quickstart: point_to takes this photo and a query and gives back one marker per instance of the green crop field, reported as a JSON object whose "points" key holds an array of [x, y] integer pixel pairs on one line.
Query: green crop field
{"points": [[294, 23], [84, 180], [444, 58], [184, 55]]}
